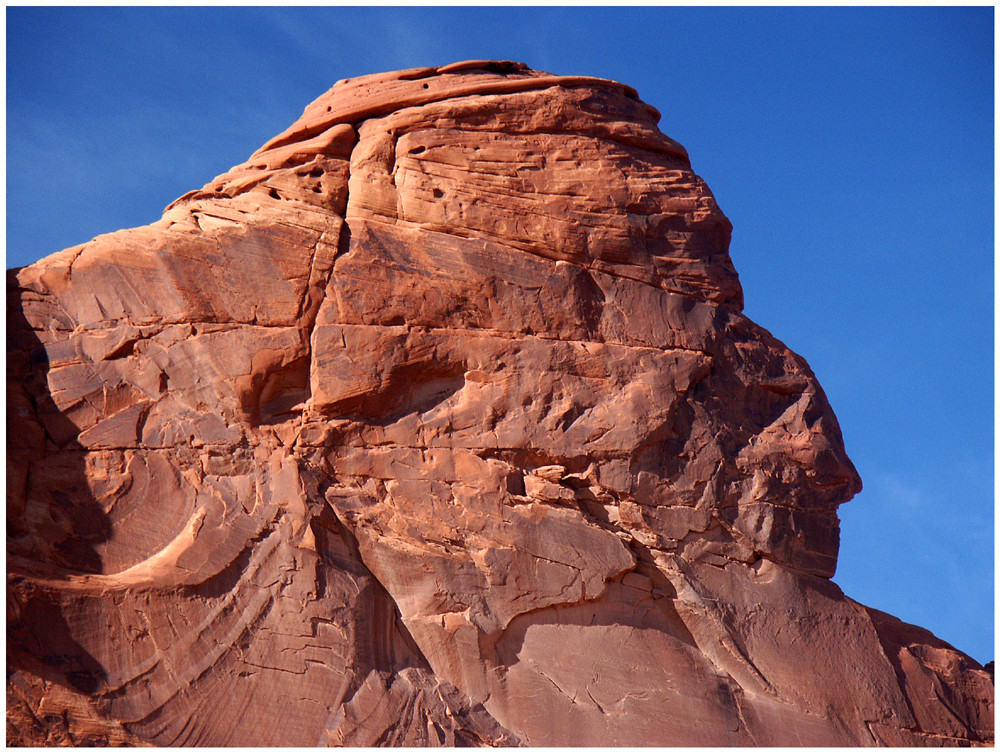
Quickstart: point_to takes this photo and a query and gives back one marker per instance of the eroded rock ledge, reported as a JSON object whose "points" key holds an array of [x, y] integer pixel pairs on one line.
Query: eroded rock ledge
{"points": [[438, 422]]}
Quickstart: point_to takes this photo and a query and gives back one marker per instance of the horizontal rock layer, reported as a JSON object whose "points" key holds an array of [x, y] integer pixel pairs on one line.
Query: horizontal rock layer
{"points": [[438, 422]]}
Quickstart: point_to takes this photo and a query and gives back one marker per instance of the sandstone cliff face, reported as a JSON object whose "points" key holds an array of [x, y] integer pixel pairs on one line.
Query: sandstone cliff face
{"points": [[438, 422]]}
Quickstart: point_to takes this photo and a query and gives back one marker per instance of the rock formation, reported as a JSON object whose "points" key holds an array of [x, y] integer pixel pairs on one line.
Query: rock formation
{"points": [[438, 422]]}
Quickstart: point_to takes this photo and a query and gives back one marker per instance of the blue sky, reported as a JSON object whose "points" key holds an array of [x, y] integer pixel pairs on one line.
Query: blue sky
{"points": [[852, 148]]}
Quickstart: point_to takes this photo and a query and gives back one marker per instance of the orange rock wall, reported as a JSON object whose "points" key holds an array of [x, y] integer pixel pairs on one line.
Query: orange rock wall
{"points": [[438, 422]]}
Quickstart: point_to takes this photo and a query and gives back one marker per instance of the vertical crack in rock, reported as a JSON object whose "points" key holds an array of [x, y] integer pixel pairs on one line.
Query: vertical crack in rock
{"points": [[438, 422]]}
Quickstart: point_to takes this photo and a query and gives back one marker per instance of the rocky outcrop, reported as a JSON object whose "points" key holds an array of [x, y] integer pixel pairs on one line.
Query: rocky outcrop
{"points": [[438, 422]]}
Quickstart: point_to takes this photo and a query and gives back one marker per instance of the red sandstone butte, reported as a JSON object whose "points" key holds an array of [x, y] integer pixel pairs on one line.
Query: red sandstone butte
{"points": [[438, 422]]}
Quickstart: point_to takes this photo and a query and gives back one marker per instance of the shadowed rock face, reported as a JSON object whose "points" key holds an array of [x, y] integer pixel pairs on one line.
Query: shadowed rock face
{"points": [[438, 422]]}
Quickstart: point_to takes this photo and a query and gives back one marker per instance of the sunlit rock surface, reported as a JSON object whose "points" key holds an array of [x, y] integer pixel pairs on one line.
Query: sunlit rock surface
{"points": [[438, 422]]}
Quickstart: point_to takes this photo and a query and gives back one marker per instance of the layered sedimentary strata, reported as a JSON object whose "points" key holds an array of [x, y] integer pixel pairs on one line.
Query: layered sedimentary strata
{"points": [[438, 422]]}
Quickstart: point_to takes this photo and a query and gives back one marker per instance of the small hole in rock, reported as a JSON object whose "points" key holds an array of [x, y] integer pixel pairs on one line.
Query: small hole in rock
{"points": [[426, 86], [273, 194], [317, 173], [418, 150], [503, 66], [438, 193]]}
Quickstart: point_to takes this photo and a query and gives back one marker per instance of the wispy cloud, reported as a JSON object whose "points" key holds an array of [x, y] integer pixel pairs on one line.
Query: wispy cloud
{"points": [[899, 492], [953, 500]]}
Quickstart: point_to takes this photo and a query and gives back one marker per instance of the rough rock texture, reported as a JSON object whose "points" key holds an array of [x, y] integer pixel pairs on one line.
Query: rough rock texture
{"points": [[438, 422]]}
